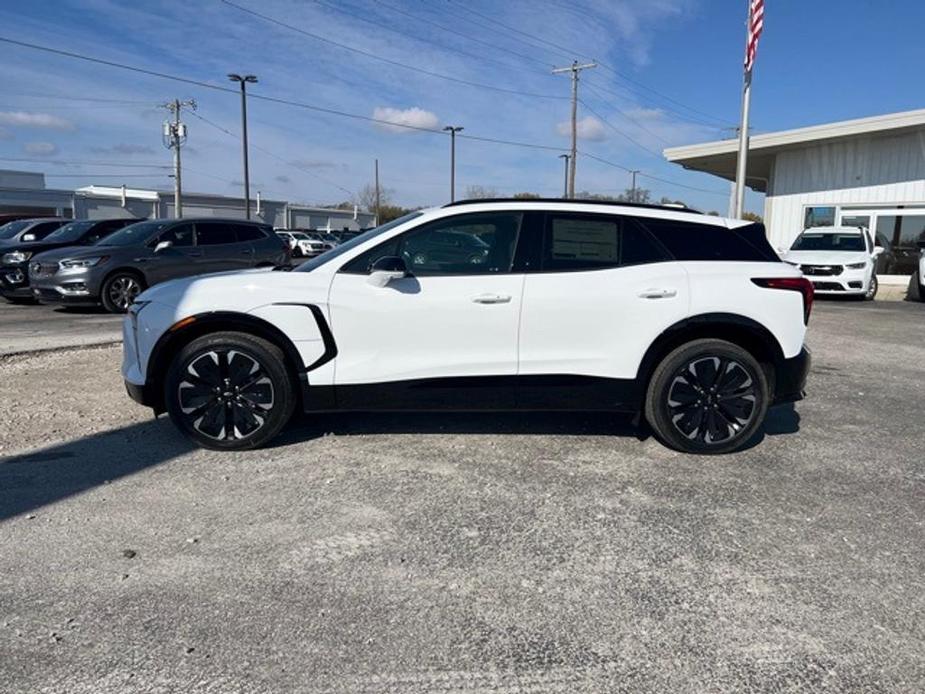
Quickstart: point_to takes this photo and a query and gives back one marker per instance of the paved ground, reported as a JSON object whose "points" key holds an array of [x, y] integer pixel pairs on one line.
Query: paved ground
{"points": [[30, 327], [516, 553]]}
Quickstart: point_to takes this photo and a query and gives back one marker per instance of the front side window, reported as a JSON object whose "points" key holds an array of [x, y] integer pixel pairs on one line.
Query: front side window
{"points": [[472, 244], [180, 236], [214, 234]]}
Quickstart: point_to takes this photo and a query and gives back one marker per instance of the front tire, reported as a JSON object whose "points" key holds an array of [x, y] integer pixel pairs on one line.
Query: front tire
{"points": [[229, 391], [707, 397], [872, 289], [119, 291]]}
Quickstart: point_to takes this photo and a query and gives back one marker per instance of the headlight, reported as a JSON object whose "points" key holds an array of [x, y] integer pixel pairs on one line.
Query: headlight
{"points": [[16, 257], [856, 266], [83, 262]]}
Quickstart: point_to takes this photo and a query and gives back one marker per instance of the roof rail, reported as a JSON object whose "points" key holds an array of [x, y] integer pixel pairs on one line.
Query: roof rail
{"points": [[676, 207]]}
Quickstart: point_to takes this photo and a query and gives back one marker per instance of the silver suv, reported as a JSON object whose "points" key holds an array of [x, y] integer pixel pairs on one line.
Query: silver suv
{"points": [[118, 268]]}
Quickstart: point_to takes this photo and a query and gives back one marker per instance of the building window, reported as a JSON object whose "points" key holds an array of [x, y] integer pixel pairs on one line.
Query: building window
{"points": [[819, 217]]}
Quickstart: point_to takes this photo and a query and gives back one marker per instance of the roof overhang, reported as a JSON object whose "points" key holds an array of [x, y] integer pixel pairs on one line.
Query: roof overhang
{"points": [[719, 158]]}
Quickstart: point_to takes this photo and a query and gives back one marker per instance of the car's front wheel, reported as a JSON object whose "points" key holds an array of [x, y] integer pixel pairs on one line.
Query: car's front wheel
{"points": [[229, 391], [872, 289], [119, 291], [707, 397]]}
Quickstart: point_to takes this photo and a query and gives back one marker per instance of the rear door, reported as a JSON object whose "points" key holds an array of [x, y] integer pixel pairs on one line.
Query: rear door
{"points": [[265, 246], [603, 290], [221, 248]]}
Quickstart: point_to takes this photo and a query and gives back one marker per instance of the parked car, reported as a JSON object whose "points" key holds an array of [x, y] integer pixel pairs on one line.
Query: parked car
{"points": [[917, 280], [25, 230], [307, 246], [14, 270], [13, 217], [837, 260], [119, 267], [288, 239], [329, 238], [690, 321]]}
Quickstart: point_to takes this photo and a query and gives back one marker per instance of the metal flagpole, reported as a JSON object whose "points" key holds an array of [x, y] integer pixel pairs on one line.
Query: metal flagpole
{"points": [[753, 30]]}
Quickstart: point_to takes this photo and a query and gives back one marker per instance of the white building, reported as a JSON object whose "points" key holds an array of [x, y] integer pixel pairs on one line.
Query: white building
{"points": [[868, 172]]}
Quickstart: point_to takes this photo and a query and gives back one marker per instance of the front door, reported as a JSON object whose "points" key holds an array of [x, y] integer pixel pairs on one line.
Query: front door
{"points": [[447, 330], [182, 258]]}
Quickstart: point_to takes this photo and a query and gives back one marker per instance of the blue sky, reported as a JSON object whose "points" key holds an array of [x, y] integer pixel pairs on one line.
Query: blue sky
{"points": [[670, 75]]}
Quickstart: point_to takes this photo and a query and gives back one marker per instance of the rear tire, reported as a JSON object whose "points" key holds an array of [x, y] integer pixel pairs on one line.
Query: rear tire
{"points": [[916, 291], [119, 291], [229, 391], [707, 397]]}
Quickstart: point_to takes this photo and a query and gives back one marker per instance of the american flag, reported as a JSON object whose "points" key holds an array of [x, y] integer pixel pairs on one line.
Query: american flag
{"points": [[755, 25]]}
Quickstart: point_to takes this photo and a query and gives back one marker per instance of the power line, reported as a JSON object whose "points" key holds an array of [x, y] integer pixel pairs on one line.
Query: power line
{"points": [[489, 44], [67, 97], [102, 174], [389, 61], [618, 131], [626, 115], [275, 156], [654, 178]]}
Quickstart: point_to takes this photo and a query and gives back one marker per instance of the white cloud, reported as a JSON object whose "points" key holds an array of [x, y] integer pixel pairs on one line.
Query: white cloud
{"points": [[44, 149], [5, 134], [35, 120], [589, 128], [414, 116]]}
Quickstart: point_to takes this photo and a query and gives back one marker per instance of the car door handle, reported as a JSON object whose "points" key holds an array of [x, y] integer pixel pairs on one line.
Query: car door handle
{"points": [[492, 298], [658, 293]]}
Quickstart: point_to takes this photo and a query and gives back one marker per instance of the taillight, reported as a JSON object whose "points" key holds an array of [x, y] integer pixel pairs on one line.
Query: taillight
{"points": [[795, 284]]}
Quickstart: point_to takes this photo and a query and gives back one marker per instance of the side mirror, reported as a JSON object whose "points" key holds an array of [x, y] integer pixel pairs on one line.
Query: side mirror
{"points": [[877, 251], [28, 237], [387, 269], [162, 246]]}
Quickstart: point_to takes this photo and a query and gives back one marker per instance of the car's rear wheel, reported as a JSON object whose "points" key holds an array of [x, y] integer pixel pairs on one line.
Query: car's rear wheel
{"points": [[119, 291], [916, 291], [229, 391], [707, 397]]}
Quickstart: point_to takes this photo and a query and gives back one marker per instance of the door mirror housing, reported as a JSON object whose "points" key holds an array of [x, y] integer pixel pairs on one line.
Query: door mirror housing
{"points": [[387, 269], [28, 237], [877, 251], [163, 246]]}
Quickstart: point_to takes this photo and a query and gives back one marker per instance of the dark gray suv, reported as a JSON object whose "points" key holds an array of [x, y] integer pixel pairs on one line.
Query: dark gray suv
{"points": [[115, 270]]}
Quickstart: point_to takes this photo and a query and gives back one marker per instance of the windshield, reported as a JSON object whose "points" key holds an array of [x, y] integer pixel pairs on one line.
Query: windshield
{"points": [[347, 246], [10, 229], [133, 234], [70, 232], [300, 236], [829, 242]]}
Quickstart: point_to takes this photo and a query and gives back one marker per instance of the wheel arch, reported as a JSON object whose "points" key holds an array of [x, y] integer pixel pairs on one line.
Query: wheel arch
{"points": [[173, 340], [739, 330]]}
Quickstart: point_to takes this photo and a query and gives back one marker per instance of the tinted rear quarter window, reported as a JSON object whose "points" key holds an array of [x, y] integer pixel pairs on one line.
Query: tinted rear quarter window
{"points": [[250, 232], [691, 241]]}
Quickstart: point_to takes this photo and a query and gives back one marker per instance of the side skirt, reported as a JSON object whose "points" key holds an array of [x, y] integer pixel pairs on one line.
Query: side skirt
{"points": [[562, 392]]}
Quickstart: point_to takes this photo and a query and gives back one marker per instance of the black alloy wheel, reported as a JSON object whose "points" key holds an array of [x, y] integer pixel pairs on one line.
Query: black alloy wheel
{"points": [[708, 396], [229, 391]]}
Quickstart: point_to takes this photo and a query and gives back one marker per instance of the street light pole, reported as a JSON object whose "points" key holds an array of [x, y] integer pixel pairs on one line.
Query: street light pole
{"points": [[247, 183], [566, 157], [633, 189], [453, 129]]}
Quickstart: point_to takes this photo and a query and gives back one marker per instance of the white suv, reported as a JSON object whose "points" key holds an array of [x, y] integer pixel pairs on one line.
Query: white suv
{"points": [[838, 260], [688, 320]]}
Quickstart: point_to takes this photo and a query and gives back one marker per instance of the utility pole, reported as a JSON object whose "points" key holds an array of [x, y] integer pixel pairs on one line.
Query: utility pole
{"points": [[174, 135], [633, 189], [377, 194], [565, 186], [574, 69], [453, 130], [247, 181]]}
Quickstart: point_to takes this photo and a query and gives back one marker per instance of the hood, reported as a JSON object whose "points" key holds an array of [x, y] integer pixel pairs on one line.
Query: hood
{"points": [[826, 257], [239, 291], [61, 252]]}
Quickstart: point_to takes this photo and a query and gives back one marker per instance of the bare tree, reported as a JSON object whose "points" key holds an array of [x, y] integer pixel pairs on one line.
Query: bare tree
{"points": [[479, 193], [366, 197]]}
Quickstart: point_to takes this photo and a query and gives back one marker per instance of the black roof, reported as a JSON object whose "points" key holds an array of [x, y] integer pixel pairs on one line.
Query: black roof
{"points": [[615, 203]]}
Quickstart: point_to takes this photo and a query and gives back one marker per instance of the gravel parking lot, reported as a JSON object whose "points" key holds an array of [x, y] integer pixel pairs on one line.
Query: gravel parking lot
{"points": [[469, 553]]}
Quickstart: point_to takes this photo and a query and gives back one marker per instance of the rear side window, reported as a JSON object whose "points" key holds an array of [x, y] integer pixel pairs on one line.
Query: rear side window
{"points": [[690, 241], [596, 242], [215, 233], [250, 232]]}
